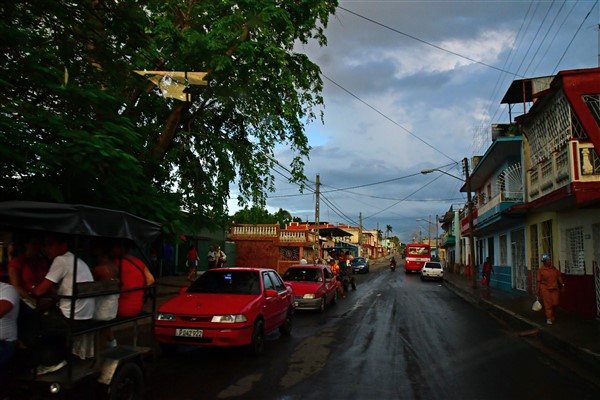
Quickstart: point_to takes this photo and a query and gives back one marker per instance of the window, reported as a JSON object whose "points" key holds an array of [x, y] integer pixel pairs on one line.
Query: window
{"points": [[576, 257], [277, 282], [503, 250], [267, 280], [546, 238]]}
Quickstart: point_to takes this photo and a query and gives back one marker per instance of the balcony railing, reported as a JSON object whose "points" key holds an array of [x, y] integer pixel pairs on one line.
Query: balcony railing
{"points": [[255, 230], [582, 164], [297, 236]]}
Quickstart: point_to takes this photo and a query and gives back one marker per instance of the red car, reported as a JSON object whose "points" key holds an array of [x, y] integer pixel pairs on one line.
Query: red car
{"points": [[314, 286], [227, 307]]}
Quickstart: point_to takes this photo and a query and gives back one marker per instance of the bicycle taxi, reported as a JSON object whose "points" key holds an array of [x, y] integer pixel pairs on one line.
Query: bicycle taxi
{"points": [[113, 372]]}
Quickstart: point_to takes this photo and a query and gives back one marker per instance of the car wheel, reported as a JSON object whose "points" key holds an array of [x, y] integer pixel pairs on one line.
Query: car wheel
{"points": [[258, 337], [334, 298], [128, 383], [322, 304], [286, 328]]}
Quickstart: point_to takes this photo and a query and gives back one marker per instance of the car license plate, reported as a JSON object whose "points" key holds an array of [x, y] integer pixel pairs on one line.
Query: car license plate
{"points": [[188, 332]]}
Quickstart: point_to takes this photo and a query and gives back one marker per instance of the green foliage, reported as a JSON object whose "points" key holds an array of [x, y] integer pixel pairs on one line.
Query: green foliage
{"points": [[77, 125], [258, 215]]}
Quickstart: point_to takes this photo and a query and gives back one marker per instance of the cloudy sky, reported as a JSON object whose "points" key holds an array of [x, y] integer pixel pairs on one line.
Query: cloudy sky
{"points": [[411, 85]]}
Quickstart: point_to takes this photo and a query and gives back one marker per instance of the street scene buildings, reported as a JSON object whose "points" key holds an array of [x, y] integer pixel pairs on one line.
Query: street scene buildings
{"points": [[537, 191]]}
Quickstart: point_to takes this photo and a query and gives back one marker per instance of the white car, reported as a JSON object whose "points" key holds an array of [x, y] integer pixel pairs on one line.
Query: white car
{"points": [[432, 270]]}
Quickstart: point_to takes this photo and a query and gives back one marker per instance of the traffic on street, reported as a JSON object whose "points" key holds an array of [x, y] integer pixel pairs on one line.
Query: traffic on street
{"points": [[394, 337]]}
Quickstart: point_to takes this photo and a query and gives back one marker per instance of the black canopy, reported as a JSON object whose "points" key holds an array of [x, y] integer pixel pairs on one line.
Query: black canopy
{"points": [[77, 219]]}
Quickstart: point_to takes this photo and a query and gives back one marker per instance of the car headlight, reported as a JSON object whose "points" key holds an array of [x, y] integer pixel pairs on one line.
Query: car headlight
{"points": [[165, 317], [309, 296], [229, 318]]}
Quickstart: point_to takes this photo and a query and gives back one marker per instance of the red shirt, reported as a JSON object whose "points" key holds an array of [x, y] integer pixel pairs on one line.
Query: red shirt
{"points": [[192, 254], [31, 271], [132, 276]]}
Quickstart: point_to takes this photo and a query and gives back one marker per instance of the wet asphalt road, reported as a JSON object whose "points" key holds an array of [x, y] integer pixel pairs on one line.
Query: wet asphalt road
{"points": [[395, 337]]}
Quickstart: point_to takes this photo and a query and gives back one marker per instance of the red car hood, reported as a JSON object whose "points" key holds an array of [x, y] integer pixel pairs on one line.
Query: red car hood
{"points": [[301, 288], [209, 304]]}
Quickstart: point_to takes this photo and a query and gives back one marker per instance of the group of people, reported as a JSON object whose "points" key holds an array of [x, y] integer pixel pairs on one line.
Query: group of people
{"points": [[216, 259], [40, 269], [341, 266]]}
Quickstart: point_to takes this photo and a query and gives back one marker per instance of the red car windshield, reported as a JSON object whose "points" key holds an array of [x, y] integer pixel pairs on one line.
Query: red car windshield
{"points": [[303, 275], [227, 282]]}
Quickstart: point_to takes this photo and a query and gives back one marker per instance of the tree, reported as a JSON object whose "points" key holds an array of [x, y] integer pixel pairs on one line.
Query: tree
{"points": [[257, 215], [388, 230], [78, 125]]}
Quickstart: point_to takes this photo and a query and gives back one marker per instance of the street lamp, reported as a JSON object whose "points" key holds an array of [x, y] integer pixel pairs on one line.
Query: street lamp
{"points": [[467, 182]]}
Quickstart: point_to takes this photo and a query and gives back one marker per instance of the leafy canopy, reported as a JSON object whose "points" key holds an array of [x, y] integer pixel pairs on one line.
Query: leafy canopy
{"points": [[78, 125]]}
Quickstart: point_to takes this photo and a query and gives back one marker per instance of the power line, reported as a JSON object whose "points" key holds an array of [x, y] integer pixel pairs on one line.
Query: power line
{"points": [[386, 117], [573, 38], [426, 42]]}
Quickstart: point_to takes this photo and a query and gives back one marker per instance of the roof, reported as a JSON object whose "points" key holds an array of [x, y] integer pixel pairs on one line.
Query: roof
{"points": [[494, 157], [333, 232], [77, 219], [523, 90]]}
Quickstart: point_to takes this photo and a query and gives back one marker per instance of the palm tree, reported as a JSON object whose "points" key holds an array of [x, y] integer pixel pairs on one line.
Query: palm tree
{"points": [[388, 230]]}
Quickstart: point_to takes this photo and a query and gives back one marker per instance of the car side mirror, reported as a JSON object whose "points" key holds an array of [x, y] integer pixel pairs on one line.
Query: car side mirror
{"points": [[271, 293]]}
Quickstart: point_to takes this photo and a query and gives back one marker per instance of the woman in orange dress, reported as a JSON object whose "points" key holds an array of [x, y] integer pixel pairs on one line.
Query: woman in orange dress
{"points": [[549, 281]]}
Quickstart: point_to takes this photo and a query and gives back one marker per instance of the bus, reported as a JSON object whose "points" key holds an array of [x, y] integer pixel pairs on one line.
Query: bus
{"points": [[416, 255]]}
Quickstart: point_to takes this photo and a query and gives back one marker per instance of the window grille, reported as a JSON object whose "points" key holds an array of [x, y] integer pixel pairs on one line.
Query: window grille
{"points": [[562, 160], [503, 250], [551, 129], [593, 103], [546, 169], [289, 253], [578, 131], [535, 177], [576, 255]]}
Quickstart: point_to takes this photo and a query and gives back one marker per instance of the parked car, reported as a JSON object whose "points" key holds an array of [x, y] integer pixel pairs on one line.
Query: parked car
{"points": [[360, 265], [227, 307], [432, 270], [314, 286]]}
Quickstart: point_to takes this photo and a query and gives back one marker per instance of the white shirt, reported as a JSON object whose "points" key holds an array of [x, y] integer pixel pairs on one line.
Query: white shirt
{"points": [[8, 323], [61, 273]]}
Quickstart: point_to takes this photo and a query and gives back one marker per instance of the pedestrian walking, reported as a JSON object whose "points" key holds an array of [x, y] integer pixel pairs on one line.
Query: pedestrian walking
{"points": [[549, 281], [487, 271], [192, 263]]}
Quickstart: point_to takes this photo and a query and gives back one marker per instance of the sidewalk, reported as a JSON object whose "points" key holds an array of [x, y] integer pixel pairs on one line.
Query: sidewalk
{"points": [[574, 336]]}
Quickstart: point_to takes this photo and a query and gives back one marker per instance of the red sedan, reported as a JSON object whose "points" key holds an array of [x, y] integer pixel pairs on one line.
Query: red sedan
{"points": [[227, 307], [314, 286]]}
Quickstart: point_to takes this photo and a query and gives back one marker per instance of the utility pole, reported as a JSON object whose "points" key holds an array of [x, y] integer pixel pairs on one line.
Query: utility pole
{"points": [[429, 231], [471, 240], [360, 235], [317, 223]]}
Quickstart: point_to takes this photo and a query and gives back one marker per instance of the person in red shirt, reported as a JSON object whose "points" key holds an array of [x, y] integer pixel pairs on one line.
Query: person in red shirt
{"points": [[134, 274], [192, 262], [335, 268], [26, 271]]}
